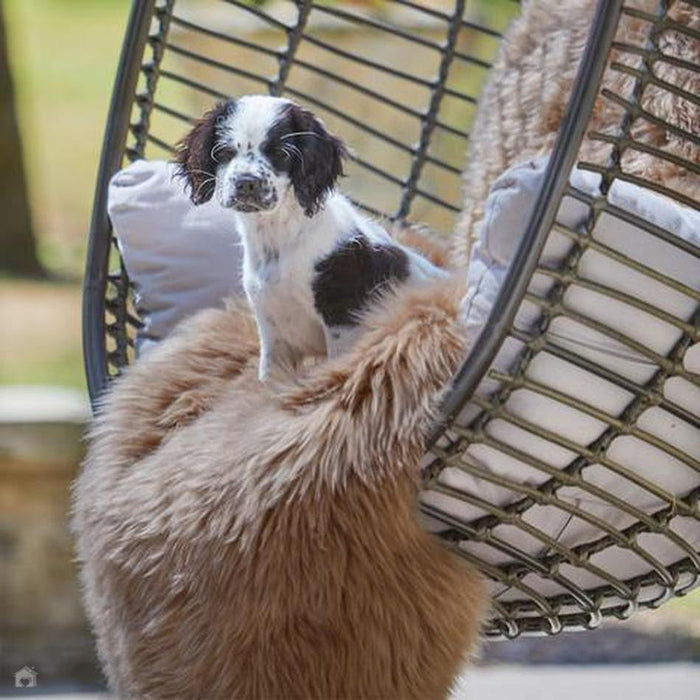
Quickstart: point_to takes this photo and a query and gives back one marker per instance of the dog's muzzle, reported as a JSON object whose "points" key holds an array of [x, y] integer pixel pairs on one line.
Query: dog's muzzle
{"points": [[252, 193]]}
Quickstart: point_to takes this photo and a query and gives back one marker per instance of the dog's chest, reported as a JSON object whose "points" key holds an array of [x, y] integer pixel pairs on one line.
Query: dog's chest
{"points": [[279, 289]]}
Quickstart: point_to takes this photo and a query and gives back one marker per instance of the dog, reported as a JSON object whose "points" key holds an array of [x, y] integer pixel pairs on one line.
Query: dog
{"points": [[312, 262]]}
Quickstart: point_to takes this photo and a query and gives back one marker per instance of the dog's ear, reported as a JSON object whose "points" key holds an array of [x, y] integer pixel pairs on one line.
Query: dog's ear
{"points": [[320, 164], [196, 164]]}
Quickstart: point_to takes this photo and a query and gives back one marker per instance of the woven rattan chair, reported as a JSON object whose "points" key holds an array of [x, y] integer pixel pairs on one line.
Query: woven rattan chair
{"points": [[177, 58]]}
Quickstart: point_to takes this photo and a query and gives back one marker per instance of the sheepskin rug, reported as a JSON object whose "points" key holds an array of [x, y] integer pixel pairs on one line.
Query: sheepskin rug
{"points": [[244, 541]]}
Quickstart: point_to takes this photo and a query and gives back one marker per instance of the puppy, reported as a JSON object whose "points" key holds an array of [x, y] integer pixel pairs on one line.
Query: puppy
{"points": [[311, 261]]}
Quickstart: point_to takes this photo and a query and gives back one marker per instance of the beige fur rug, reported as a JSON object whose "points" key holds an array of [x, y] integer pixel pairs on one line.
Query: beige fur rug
{"points": [[237, 541], [523, 103]]}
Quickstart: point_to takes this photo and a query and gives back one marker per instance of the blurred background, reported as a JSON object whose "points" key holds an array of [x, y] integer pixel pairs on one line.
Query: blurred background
{"points": [[57, 64]]}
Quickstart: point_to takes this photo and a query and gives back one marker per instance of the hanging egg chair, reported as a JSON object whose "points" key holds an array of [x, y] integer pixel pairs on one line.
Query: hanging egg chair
{"points": [[566, 464]]}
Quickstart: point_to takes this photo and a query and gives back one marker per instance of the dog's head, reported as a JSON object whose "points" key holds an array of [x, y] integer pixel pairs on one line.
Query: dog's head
{"points": [[250, 151]]}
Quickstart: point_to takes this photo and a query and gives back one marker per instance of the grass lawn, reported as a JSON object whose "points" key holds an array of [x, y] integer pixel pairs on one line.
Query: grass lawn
{"points": [[41, 333]]}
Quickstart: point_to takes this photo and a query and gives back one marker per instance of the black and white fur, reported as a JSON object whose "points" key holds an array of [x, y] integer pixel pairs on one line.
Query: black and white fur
{"points": [[311, 260]]}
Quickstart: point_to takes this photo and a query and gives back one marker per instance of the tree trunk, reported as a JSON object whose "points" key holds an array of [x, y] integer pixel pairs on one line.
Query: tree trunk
{"points": [[17, 243]]}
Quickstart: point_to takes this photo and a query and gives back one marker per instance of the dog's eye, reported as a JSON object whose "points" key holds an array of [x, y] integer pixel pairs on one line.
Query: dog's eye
{"points": [[280, 151], [224, 153], [277, 153]]}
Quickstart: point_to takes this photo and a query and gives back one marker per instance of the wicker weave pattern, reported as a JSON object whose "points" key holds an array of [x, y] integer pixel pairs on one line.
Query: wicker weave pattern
{"points": [[569, 489], [581, 577], [188, 61]]}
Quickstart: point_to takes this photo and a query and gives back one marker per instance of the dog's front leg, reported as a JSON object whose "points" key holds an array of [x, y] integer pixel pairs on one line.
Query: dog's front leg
{"points": [[277, 356]]}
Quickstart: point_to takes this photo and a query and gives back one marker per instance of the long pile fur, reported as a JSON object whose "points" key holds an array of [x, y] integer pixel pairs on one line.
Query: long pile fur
{"points": [[238, 541]]}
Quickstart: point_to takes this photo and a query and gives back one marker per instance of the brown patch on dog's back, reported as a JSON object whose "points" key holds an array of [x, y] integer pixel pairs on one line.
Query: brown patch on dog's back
{"points": [[352, 275]]}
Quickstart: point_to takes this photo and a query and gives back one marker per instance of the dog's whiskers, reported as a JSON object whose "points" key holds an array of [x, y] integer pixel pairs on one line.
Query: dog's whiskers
{"points": [[216, 148], [249, 204], [203, 184], [201, 172], [300, 133], [294, 152]]}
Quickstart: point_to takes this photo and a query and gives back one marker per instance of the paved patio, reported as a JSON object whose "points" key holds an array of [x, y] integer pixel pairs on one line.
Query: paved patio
{"points": [[636, 682]]}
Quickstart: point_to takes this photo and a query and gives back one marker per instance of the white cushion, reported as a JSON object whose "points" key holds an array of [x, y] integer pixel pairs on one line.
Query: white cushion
{"points": [[507, 211], [180, 258]]}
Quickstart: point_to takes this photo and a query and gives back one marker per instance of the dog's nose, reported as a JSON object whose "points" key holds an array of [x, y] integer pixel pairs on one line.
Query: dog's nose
{"points": [[248, 186]]}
